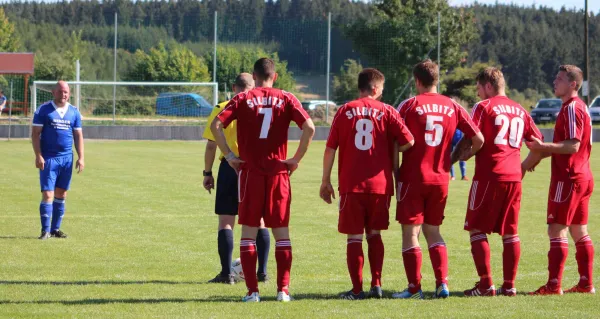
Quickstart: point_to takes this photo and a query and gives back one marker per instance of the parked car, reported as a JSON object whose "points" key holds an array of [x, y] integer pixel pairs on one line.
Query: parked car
{"points": [[546, 110], [313, 104], [595, 109], [182, 104]]}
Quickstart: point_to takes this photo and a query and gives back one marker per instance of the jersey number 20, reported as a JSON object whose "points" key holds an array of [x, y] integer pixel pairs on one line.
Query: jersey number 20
{"points": [[516, 126]]}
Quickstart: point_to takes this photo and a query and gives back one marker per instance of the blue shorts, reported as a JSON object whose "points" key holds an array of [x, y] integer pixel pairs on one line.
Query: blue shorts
{"points": [[57, 173]]}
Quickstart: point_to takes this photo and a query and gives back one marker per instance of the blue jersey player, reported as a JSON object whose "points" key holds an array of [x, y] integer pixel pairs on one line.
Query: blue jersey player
{"points": [[56, 124]]}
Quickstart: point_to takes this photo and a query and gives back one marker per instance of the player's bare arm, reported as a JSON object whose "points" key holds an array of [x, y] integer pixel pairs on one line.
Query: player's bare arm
{"points": [[326, 191], [37, 149], [217, 129], [308, 130], [209, 159], [78, 137], [565, 147], [467, 148]]}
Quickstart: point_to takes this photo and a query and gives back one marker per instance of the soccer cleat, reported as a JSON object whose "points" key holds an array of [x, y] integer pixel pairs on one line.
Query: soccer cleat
{"points": [[352, 296], [45, 235], [376, 292], [478, 292], [407, 295], [58, 234], [582, 290], [441, 292], [506, 292], [465, 178], [453, 178], [262, 277], [251, 297], [222, 279], [283, 296], [546, 290]]}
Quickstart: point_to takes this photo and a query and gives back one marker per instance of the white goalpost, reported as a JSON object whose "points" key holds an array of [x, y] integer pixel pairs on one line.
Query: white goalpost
{"points": [[171, 101]]}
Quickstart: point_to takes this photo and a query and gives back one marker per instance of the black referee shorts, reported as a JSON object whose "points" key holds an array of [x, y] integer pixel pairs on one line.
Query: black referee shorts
{"points": [[226, 202]]}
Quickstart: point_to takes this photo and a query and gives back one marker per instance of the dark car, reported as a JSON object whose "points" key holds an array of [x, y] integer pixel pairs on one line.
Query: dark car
{"points": [[182, 104], [595, 110], [546, 110]]}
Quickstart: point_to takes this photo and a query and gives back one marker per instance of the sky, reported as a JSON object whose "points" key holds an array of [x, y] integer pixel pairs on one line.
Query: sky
{"points": [[593, 5]]}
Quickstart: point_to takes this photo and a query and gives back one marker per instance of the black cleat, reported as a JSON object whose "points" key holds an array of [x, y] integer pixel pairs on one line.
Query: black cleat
{"points": [[262, 277], [376, 292], [58, 234], [222, 279], [351, 296], [45, 235]]}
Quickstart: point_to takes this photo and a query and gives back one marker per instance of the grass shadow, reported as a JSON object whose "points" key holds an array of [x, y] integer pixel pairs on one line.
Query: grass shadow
{"points": [[104, 301], [18, 237], [100, 282]]}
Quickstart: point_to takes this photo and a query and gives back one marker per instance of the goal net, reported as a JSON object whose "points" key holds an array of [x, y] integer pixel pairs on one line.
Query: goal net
{"points": [[135, 103]]}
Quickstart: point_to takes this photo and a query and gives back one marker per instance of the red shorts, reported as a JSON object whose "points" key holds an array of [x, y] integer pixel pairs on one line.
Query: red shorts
{"points": [[569, 201], [420, 203], [360, 212], [494, 207], [263, 196]]}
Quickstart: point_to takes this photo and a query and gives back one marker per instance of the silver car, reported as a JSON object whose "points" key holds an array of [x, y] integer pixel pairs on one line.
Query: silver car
{"points": [[546, 110], [595, 109]]}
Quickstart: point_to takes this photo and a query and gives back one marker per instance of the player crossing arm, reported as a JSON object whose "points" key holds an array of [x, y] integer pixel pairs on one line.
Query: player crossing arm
{"points": [[467, 148]]}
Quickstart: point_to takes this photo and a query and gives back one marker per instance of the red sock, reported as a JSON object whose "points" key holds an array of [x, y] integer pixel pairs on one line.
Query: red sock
{"points": [[355, 260], [376, 253], [283, 257], [557, 256], [480, 249], [248, 257], [412, 258], [585, 261], [439, 260], [510, 260]]}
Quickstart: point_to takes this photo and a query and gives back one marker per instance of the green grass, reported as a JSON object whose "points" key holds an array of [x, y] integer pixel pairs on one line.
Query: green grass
{"points": [[143, 243]]}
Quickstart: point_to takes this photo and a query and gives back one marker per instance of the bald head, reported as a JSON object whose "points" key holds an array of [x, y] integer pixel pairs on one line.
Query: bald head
{"points": [[61, 93], [243, 82]]}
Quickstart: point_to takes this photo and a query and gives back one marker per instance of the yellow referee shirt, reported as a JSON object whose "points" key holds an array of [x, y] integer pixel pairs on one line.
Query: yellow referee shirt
{"points": [[230, 131]]}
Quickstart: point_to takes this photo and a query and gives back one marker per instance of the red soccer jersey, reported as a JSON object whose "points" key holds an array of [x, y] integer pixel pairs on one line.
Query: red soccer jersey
{"points": [[432, 119], [504, 124], [573, 122], [263, 116], [365, 131]]}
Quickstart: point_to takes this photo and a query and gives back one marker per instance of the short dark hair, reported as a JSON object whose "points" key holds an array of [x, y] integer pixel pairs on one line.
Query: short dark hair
{"points": [[493, 76], [264, 68], [573, 74], [427, 73], [368, 78]]}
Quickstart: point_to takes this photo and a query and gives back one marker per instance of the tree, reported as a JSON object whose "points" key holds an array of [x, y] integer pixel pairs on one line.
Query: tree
{"points": [[8, 40], [402, 32], [345, 85], [178, 63]]}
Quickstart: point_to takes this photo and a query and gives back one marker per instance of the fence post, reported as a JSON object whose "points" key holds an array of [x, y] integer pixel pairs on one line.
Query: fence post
{"points": [[115, 75], [328, 67], [10, 100], [438, 49], [77, 87], [33, 106], [216, 89]]}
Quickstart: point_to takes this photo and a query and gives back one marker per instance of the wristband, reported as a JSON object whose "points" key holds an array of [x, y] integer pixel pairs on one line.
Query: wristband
{"points": [[205, 173], [230, 156]]}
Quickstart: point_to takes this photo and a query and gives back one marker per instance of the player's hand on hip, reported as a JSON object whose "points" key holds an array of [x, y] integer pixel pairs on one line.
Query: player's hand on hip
{"points": [[235, 163], [79, 165], [326, 192], [208, 183], [292, 165], [40, 162]]}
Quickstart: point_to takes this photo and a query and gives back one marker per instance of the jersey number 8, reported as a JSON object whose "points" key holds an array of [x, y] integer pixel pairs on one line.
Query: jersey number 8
{"points": [[364, 134]]}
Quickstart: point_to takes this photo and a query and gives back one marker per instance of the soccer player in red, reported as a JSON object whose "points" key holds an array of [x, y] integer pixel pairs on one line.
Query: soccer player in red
{"points": [[424, 176], [263, 117], [571, 184], [365, 131], [495, 198]]}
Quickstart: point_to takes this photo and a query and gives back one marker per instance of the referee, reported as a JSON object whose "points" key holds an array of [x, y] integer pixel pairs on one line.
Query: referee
{"points": [[226, 203]]}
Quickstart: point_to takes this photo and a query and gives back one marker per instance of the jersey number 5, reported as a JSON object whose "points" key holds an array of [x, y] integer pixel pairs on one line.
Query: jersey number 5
{"points": [[364, 134], [434, 124], [266, 124], [516, 126]]}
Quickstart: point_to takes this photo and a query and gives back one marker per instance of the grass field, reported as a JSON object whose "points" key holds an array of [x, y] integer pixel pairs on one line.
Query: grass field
{"points": [[143, 243]]}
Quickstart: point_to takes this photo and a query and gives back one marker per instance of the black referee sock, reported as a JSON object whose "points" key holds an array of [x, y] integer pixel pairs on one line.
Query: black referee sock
{"points": [[263, 244], [225, 242]]}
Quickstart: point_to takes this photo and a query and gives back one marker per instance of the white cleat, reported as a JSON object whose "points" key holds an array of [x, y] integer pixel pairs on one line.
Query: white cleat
{"points": [[283, 297], [253, 297]]}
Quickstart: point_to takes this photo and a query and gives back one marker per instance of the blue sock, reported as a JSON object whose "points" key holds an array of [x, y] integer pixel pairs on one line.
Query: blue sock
{"points": [[45, 215], [58, 211], [463, 168]]}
